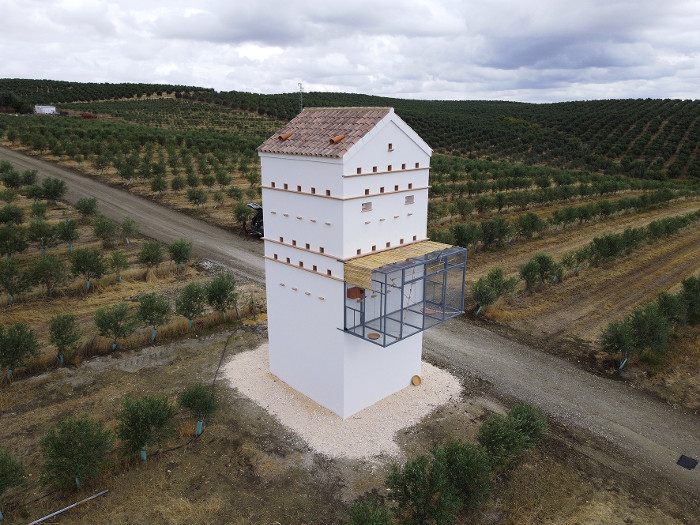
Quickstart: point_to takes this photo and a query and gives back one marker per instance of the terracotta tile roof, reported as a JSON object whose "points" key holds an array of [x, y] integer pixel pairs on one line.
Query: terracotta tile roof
{"points": [[324, 132]]}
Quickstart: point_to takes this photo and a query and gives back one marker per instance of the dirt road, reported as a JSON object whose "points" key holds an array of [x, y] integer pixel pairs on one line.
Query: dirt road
{"points": [[649, 434], [243, 255]]}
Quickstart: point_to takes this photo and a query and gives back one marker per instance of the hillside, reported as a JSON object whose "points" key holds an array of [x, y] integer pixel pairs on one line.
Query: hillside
{"points": [[641, 138]]}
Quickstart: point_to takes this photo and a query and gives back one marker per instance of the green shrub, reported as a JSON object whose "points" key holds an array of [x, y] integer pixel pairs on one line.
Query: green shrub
{"points": [[199, 399], [483, 293], [650, 329], [114, 321], [150, 254], [17, 344], [499, 283], [423, 491], [104, 229], [370, 513], [86, 206], [144, 421], [691, 295], [501, 438], [11, 470], [469, 470], [88, 263], [530, 273], [190, 301], [74, 451], [546, 266], [64, 333], [673, 307], [529, 422], [11, 214], [617, 337], [180, 251]]}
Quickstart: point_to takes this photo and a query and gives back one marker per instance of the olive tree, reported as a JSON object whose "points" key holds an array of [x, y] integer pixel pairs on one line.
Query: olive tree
{"points": [[11, 279], [63, 333], [221, 293], [144, 421], [67, 231], [150, 254], [43, 234], [87, 206], [104, 229], [53, 189], [11, 472], [200, 400], [89, 263], [129, 228], [114, 321], [118, 262], [17, 344], [48, 271], [190, 302], [153, 310], [180, 251], [13, 239], [74, 450]]}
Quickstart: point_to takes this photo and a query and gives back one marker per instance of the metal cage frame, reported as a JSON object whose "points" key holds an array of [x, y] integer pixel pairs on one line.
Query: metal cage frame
{"points": [[431, 290]]}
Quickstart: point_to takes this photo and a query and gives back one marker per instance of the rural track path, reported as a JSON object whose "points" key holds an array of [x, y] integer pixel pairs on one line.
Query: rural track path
{"points": [[651, 433], [242, 254]]}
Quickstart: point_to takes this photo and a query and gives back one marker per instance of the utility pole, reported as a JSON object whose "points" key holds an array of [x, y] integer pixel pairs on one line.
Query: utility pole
{"points": [[301, 101]]}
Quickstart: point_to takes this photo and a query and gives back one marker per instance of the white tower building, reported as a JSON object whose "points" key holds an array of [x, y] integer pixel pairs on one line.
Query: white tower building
{"points": [[351, 278]]}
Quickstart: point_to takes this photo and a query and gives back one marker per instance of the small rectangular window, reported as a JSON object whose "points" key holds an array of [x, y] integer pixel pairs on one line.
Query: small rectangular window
{"points": [[388, 245], [414, 237], [359, 170], [321, 249], [374, 169], [308, 246], [374, 247], [298, 188], [328, 193], [315, 268], [391, 147], [388, 168], [403, 166], [410, 185], [289, 260], [294, 243], [400, 241], [328, 272], [366, 191], [381, 190], [313, 191], [281, 239], [366, 206], [359, 252], [272, 184], [410, 199], [417, 165], [396, 188], [286, 186], [301, 264], [275, 257]]}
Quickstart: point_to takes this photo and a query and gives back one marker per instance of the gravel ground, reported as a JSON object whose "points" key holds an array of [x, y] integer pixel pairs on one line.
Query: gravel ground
{"points": [[367, 434]]}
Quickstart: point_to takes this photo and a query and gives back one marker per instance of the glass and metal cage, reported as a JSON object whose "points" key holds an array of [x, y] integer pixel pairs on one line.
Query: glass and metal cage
{"points": [[407, 297]]}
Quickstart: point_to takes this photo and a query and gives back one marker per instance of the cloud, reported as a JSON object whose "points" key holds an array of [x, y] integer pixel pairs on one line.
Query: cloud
{"points": [[441, 49]]}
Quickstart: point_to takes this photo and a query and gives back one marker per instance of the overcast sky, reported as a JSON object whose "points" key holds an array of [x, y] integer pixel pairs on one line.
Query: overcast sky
{"points": [[536, 51]]}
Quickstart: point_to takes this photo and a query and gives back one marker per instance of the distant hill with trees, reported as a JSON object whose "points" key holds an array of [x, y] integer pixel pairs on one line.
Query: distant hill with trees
{"points": [[648, 138]]}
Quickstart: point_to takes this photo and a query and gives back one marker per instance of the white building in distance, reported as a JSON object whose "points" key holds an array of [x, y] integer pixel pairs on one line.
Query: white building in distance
{"points": [[351, 278], [45, 110]]}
